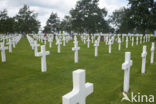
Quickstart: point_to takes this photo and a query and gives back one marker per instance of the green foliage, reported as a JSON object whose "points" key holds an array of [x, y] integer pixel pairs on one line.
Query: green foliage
{"points": [[139, 17], [53, 24], [66, 24], [26, 21], [7, 24], [88, 17], [121, 21], [141, 14]]}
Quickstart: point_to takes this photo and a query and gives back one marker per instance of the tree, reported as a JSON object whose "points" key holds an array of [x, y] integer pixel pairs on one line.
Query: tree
{"points": [[52, 24], [141, 14], [88, 17], [10, 27], [66, 24], [3, 19], [122, 21], [7, 24], [153, 17], [116, 17], [26, 21]]}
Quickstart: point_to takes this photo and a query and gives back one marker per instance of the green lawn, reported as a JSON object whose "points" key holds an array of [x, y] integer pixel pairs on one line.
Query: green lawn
{"points": [[22, 82]]}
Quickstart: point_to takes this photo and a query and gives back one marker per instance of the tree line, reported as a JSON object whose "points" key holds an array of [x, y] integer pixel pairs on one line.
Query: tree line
{"points": [[138, 17]]}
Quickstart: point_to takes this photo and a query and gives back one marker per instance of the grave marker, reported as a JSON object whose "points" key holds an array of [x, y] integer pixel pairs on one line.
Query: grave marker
{"points": [[75, 49], [96, 47], [43, 55], [3, 54], [143, 55], [80, 91], [126, 67], [152, 52]]}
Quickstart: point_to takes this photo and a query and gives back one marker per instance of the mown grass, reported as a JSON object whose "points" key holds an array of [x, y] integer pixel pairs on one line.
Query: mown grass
{"points": [[22, 82]]}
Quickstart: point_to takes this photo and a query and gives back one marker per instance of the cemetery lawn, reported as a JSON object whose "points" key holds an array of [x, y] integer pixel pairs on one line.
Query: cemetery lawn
{"points": [[22, 82]]}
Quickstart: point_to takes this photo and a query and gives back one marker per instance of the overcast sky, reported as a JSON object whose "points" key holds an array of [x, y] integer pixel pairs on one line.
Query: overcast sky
{"points": [[61, 7]]}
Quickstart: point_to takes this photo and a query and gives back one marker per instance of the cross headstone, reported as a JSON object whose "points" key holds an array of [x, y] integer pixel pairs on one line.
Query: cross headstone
{"points": [[50, 42], [75, 49], [96, 47], [75, 38], [43, 55], [127, 42], [88, 40], [80, 91], [110, 44], [126, 67], [143, 55], [13, 42], [36, 47], [152, 52], [3, 55], [98, 39], [64, 41], [10, 46], [119, 41], [58, 43], [32, 45]]}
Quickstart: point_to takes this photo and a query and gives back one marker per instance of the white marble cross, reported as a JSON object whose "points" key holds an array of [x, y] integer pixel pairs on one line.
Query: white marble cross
{"points": [[14, 42], [50, 42], [119, 41], [127, 42], [126, 67], [152, 52], [75, 49], [58, 43], [110, 44], [36, 47], [75, 38], [143, 55], [32, 45], [96, 47], [64, 41], [80, 91], [10, 46], [3, 55], [43, 55], [88, 40]]}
